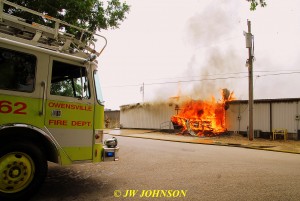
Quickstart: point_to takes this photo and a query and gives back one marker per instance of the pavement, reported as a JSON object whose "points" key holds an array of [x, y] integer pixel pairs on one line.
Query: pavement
{"points": [[234, 139]]}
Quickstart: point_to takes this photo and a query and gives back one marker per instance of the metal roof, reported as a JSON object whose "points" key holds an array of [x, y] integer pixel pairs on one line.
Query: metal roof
{"points": [[280, 100]]}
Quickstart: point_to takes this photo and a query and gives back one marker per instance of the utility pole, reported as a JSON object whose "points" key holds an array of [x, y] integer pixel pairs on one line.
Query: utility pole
{"points": [[249, 39]]}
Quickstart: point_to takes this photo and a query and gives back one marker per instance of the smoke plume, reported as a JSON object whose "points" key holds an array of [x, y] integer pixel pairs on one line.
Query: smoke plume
{"points": [[208, 33]]}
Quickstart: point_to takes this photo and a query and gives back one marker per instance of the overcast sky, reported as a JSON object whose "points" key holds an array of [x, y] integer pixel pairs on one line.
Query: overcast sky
{"points": [[196, 47]]}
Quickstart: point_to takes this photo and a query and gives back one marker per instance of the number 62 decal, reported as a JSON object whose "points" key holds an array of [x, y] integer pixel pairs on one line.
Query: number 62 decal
{"points": [[7, 107]]}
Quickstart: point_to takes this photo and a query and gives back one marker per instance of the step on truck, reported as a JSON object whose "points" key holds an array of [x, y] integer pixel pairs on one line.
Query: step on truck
{"points": [[51, 107]]}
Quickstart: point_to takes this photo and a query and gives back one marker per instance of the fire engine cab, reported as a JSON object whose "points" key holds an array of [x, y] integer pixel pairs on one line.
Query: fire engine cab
{"points": [[51, 106]]}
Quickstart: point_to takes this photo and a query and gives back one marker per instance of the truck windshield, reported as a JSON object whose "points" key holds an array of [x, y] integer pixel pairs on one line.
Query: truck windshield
{"points": [[98, 88]]}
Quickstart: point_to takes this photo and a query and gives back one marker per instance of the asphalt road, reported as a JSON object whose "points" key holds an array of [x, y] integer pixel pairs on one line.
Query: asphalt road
{"points": [[160, 170]]}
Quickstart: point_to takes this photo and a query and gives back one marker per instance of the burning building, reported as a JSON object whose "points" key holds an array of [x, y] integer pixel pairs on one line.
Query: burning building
{"points": [[195, 117], [269, 114], [203, 118]]}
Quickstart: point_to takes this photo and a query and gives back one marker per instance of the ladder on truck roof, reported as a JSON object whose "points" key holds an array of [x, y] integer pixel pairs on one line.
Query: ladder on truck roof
{"points": [[57, 39]]}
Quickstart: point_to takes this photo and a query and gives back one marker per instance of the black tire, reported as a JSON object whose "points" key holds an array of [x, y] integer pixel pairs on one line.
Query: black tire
{"points": [[23, 168]]}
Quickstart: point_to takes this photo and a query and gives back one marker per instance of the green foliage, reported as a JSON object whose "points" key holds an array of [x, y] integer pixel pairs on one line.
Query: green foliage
{"points": [[255, 3], [63, 88], [88, 14]]}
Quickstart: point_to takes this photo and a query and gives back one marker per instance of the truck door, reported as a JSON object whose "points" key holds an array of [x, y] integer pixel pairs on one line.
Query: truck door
{"points": [[69, 108]]}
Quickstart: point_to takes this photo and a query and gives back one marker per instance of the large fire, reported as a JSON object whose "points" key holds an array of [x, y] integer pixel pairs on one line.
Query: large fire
{"points": [[203, 118]]}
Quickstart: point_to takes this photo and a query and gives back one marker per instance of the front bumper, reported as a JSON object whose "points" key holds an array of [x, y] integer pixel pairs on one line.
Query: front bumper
{"points": [[110, 154]]}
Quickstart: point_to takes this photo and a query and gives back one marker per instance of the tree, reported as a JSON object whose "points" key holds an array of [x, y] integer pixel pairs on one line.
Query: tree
{"points": [[66, 88], [255, 3], [88, 14]]}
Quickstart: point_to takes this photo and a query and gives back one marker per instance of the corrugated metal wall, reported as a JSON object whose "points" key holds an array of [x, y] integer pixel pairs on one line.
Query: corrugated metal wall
{"points": [[268, 115], [261, 117], [147, 116], [237, 117], [283, 116]]}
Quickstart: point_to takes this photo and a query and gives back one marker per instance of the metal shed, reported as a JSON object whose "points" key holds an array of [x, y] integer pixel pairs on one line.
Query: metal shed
{"points": [[147, 115], [269, 114]]}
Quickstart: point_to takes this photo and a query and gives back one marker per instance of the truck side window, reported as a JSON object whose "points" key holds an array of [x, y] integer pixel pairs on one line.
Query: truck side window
{"points": [[69, 80], [17, 70]]}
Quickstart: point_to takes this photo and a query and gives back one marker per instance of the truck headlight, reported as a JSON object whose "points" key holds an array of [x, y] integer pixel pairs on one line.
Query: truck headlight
{"points": [[111, 143]]}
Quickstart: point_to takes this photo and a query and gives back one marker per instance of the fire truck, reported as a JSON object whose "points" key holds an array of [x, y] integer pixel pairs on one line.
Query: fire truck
{"points": [[51, 106]]}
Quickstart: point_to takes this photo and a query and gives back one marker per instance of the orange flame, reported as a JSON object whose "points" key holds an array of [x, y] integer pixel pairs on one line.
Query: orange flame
{"points": [[203, 117]]}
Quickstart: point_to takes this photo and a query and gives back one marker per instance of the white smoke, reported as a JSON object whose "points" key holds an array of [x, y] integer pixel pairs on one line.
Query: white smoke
{"points": [[207, 32]]}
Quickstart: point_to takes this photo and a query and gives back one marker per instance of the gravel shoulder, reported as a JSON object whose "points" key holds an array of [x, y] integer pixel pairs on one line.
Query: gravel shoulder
{"points": [[291, 146]]}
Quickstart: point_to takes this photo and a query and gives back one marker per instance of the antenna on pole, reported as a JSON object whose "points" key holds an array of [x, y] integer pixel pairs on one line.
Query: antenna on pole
{"points": [[142, 90]]}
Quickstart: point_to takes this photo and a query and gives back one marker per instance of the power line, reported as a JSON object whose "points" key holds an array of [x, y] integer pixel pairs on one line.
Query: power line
{"points": [[205, 79], [181, 81], [275, 74]]}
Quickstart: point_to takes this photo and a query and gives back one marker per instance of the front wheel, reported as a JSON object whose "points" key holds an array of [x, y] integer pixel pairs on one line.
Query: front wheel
{"points": [[23, 169]]}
